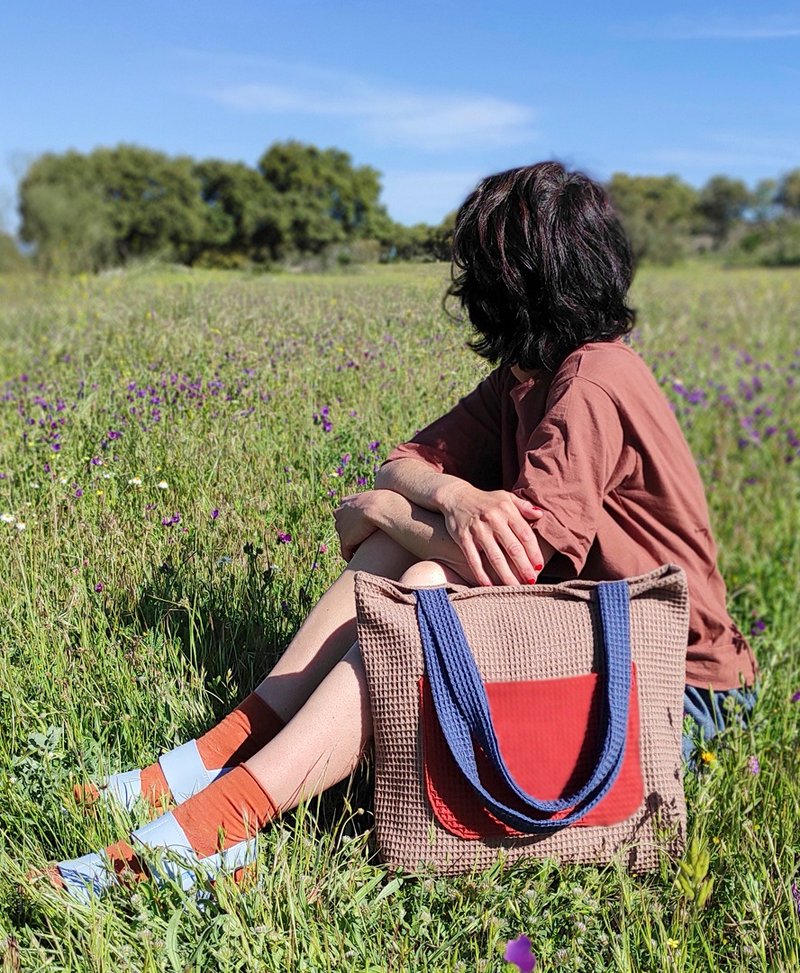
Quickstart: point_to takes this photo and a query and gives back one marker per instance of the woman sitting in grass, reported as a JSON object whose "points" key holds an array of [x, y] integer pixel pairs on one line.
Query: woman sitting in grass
{"points": [[565, 460]]}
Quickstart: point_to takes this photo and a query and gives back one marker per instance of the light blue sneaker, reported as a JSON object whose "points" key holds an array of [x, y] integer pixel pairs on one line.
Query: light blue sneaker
{"points": [[174, 860]]}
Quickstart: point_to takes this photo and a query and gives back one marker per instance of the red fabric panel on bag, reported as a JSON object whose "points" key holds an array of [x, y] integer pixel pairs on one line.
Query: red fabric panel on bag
{"points": [[548, 733]]}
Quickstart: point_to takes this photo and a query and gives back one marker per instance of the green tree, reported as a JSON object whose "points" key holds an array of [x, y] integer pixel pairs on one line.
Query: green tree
{"points": [[421, 241], [153, 200], [85, 212], [657, 212], [324, 198], [788, 195], [243, 213], [721, 203], [765, 200], [64, 214]]}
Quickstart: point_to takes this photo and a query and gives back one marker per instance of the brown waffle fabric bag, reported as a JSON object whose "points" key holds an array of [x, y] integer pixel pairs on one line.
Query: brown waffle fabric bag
{"points": [[520, 634]]}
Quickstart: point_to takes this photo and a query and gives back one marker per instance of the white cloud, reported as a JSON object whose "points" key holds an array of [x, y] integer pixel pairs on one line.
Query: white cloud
{"points": [[385, 113]]}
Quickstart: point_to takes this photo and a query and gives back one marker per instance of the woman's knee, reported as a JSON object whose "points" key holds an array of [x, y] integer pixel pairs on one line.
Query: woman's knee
{"points": [[381, 555], [425, 573]]}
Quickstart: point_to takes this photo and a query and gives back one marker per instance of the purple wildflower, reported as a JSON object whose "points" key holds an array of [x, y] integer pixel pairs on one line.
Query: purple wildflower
{"points": [[758, 626], [795, 697], [322, 418], [374, 446], [169, 521], [114, 434], [518, 952], [214, 513], [753, 765], [99, 586], [78, 492], [284, 537], [796, 897]]}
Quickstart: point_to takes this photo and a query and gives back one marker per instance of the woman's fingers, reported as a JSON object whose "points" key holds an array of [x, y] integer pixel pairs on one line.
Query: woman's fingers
{"points": [[511, 551], [527, 538], [503, 562], [526, 508], [495, 533], [474, 560]]}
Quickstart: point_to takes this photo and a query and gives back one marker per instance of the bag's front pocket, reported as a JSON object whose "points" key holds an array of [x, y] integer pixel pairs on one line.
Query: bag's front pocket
{"points": [[549, 732]]}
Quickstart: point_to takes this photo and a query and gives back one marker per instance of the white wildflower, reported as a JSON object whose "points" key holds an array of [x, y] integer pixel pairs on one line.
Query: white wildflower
{"points": [[7, 518], [163, 485], [135, 481]]}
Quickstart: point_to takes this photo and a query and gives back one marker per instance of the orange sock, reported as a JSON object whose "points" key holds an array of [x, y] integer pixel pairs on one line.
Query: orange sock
{"points": [[241, 734], [231, 809], [126, 862], [235, 739]]}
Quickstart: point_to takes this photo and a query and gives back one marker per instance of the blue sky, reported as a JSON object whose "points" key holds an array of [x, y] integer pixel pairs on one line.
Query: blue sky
{"points": [[433, 94]]}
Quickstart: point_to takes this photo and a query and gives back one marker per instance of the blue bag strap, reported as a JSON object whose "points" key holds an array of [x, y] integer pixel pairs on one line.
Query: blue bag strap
{"points": [[463, 710]]}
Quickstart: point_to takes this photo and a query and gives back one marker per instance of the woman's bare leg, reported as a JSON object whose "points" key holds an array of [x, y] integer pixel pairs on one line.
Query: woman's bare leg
{"points": [[323, 742], [319, 746], [330, 628]]}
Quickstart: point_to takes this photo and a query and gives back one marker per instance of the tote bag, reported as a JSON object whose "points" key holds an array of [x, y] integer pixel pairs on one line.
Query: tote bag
{"points": [[526, 721]]}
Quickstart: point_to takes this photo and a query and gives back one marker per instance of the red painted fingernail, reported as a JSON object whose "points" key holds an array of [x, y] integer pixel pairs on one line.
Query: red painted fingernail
{"points": [[538, 567], [531, 580]]}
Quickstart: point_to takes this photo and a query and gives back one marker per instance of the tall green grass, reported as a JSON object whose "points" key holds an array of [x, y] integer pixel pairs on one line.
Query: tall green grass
{"points": [[263, 399]]}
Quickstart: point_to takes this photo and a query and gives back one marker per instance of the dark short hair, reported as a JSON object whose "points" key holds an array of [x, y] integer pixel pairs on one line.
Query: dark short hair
{"points": [[541, 264]]}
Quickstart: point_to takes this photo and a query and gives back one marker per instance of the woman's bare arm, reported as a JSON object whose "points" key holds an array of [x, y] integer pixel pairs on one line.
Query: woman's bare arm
{"points": [[420, 531], [491, 527], [417, 482]]}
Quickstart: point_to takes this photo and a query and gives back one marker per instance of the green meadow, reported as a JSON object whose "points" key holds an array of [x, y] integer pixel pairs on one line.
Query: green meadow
{"points": [[172, 444]]}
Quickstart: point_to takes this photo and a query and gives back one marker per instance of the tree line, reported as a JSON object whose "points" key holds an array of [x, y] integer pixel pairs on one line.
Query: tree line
{"points": [[300, 203]]}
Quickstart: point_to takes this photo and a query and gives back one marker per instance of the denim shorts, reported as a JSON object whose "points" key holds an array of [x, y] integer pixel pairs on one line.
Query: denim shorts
{"points": [[711, 712]]}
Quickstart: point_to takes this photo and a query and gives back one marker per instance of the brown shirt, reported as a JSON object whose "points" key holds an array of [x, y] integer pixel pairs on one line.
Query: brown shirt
{"points": [[596, 446]]}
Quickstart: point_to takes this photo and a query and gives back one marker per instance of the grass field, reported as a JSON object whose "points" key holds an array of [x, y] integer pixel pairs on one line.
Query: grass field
{"points": [[171, 447]]}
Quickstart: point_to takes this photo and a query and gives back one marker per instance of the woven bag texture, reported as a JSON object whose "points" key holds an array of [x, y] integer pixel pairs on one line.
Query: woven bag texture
{"points": [[523, 633]]}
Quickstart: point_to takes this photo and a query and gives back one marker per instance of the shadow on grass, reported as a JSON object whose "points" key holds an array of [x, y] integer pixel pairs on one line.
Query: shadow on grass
{"points": [[231, 626]]}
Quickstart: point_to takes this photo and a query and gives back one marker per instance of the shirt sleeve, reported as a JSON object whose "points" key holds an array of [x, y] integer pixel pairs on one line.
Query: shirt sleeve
{"points": [[466, 441], [569, 465]]}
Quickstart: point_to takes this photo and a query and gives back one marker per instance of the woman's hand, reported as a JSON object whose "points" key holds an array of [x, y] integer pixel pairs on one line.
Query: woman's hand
{"points": [[494, 530], [352, 522]]}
